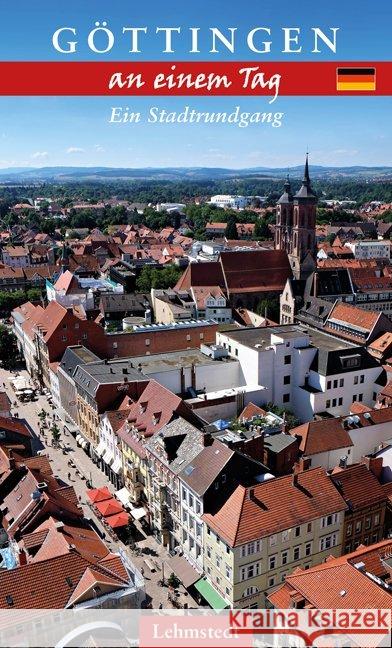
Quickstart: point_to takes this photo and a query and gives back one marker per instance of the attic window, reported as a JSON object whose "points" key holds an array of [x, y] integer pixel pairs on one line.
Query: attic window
{"points": [[9, 599], [69, 581], [143, 407], [156, 417]]}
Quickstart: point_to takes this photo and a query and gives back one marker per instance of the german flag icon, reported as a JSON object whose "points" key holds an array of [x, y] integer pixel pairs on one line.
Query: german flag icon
{"points": [[355, 79]]}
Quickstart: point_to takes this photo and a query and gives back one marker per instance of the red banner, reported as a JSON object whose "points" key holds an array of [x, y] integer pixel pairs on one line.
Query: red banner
{"points": [[185, 78]]}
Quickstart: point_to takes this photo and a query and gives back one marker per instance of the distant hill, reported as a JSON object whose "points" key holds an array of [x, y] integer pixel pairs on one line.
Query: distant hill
{"points": [[83, 174]]}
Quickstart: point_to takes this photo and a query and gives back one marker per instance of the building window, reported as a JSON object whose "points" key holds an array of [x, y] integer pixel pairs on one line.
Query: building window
{"points": [[349, 529], [341, 382], [228, 572], [377, 519], [272, 562], [308, 549], [327, 542], [209, 552], [328, 404], [272, 540], [188, 337], [340, 401], [362, 378], [296, 554], [285, 536], [328, 520], [284, 557], [355, 380], [297, 531], [286, 380], [309, 527], [360, 397], [368, 522], [374, 396], [329, 384], [358, 526], [286, 398], [147, 342], [271, 581], [335, 384], [334, 402], [287, 359]]}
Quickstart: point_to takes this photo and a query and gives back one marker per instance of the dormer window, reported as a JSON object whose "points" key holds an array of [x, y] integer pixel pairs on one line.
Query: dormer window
{"points": [[156, 417], [143, 408]]}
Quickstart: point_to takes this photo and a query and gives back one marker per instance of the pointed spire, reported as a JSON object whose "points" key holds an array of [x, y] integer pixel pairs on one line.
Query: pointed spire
{"points": [[306, 179]]}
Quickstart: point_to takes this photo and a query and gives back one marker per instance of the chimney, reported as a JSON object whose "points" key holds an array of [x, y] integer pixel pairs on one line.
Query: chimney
{"points": [[251, 493], [315, 284], [374, 464], [11, 460], [22, 557], [301, 465]]}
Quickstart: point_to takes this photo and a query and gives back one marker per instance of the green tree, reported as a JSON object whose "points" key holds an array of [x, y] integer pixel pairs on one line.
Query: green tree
{"points": [[56, 434], [231, 230], [8, 347], [269, 308], [261, 230], [157, 278], [173, 581]]}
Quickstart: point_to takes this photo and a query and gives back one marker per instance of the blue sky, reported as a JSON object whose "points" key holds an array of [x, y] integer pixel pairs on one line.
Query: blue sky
{"points": [[74, 131]]}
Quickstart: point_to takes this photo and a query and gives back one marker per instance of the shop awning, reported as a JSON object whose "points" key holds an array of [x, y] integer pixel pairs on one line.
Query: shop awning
{"points": [[108, 457], [79, 439], [183, 570], [109, 507], [210, 594], [100, 449], [123, 495], [98, 494], [118, 520], [84, 444], [138, 513], [117, 466]]}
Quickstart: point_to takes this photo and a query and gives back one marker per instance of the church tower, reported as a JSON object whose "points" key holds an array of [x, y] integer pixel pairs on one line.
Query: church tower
{"points": [[284, 219], [295, 229]]}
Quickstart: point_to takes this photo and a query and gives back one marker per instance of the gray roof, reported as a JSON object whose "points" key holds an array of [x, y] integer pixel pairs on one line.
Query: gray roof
{"points": [[278, 442], [90, 376], [180, 442], [158, 362], [251, 336], [329, 362], [74, 356], [112, 302]]}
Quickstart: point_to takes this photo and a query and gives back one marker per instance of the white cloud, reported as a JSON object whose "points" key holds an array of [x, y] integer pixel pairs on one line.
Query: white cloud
{"points": [[99, 148], [40, 155], [74, 149]]}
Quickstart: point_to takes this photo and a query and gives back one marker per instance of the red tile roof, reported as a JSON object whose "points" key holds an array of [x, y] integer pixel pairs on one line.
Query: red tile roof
{"points": [[255, 271], [68, 283], [338, 584], [155, 408], [14, 425], [330, 434], [359, 486], [250, 411], [321, 436], [5, 403], [275, 505], [352, 315], [28, 586]]}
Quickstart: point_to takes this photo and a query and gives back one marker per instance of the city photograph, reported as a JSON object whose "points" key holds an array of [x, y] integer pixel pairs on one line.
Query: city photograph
{"points": [[195, 324]]}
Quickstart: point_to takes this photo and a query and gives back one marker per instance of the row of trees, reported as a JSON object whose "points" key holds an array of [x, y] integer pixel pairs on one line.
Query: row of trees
{"points": [[10, 300], [154, 278]]}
